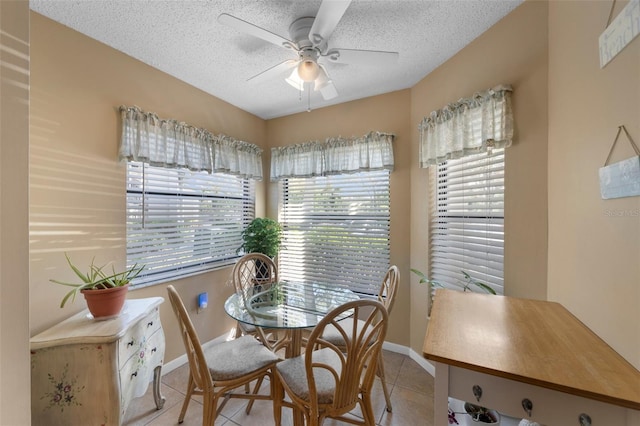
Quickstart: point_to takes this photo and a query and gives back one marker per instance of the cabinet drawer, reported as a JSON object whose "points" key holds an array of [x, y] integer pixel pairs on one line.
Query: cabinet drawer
{"points": [[137, 372], [134, 339], [550, 407]]}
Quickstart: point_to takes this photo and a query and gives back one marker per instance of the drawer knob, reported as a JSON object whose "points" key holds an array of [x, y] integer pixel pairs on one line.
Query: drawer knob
{"points": [[153, 350], [134, 374], [528, 406], [477, 392], [150, 323], [585, 420], [130, 343]]}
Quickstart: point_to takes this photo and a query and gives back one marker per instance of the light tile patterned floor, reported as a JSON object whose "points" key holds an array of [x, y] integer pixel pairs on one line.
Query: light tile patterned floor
{"points": [[411, 395]]}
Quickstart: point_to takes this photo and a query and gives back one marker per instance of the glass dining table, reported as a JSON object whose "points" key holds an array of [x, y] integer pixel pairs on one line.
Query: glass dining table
{"points": [[289, 307]]}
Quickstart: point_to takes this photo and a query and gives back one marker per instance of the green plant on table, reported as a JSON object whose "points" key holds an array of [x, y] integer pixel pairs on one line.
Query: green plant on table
{"points": [[97, 278]]}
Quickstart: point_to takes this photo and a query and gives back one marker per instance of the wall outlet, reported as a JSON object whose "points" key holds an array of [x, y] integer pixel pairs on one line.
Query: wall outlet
{"points": [[203, 301]]}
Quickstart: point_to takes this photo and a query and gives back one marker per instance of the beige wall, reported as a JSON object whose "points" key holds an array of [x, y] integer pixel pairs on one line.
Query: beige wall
{"points": [[385, 113], [562, 241], [14, 242], [514, 51], [77, 200], [594, 244]]}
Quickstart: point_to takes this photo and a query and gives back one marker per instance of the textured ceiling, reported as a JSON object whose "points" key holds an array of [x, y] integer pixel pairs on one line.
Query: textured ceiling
{"points": [[184, 39]]}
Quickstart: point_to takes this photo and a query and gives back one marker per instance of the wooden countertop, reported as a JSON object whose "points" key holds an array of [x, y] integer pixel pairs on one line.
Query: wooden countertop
{"points": [[531, 341]]}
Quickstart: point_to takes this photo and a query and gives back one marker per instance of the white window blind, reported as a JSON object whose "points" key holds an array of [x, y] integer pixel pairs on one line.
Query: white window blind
{"points": [[181, 222], [336, 229], [467, 221]]}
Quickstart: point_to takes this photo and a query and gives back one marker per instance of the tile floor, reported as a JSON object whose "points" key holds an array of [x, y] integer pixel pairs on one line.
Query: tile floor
{"points": [[411, 395]]}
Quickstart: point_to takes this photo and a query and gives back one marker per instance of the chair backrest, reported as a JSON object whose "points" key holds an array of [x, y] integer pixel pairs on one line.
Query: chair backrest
{"points": [[197, 361], [253, 273], [350, 367], [389, 287]]}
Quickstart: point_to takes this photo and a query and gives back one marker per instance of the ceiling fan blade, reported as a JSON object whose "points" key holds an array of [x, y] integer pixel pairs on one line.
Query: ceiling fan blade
{"points": [[327, 19], [361, 57], [274, 71], [255, 31]]}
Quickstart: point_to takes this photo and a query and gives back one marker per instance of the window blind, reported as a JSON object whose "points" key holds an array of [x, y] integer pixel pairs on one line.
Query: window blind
{"points": [[467, 221], [181, 222], [336, 229]]}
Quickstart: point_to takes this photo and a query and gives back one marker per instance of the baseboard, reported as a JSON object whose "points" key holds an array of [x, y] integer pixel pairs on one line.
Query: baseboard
{"points": [[392, 347], [404, 350], [426, 365]]}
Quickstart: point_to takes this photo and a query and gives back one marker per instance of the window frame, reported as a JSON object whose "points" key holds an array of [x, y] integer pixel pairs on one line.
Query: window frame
{"points": [[175, 199], [354, 271], [466, 221]]}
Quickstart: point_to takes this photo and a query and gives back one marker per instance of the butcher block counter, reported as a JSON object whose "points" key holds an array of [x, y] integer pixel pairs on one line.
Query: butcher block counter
{"points": [[528, 359]]}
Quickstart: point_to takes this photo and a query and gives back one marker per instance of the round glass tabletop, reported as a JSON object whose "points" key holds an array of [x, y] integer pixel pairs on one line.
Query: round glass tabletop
{"points": [[287, 305]]}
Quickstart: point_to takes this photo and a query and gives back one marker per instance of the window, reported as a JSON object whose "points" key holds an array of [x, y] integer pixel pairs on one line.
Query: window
{"points": [[336, 229], [180, 222], [467, 220]]}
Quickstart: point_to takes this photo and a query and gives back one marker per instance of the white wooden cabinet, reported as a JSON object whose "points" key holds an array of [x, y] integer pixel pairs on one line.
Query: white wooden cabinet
{"points": [[87, 372]]}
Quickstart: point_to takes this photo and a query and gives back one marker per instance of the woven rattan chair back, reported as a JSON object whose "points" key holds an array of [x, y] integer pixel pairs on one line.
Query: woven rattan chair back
{"points": [[253, 273], [215, 380], [336, 379], [389, 287]]}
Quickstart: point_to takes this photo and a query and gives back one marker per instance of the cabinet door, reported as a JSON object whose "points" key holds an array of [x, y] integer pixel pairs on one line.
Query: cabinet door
{"points": [[74, 382]]}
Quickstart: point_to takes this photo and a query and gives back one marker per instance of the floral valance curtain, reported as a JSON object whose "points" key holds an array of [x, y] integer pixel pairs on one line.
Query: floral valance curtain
{"points": [[469, 126], [373, 151], [172, 144]]}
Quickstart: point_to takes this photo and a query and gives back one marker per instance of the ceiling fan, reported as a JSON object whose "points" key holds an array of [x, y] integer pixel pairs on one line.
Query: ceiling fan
{"points": [[309, 39]]}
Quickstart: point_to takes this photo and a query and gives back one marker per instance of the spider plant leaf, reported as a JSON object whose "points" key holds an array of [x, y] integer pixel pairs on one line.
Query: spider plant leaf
{"points": [[67, 284], [71, 294], [77, 271], [485, 287], [423, 277]]}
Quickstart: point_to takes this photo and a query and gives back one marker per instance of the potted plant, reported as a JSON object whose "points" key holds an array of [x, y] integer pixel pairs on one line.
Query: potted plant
{"points": [[466, 285], [469, 281], [263, 235], [104, 291]]}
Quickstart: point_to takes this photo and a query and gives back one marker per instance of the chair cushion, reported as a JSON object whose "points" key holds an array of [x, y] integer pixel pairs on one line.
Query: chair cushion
{"points": [[293, 373], [332, 335], [247, 328], [235, 358]]}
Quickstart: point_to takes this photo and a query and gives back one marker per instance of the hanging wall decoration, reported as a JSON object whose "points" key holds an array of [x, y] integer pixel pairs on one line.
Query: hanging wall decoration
{"points": [[620, 32], [621, 179]]}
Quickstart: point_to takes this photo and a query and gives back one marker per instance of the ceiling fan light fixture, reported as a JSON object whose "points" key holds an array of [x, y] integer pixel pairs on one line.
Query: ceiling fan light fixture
{"points": [[321, 81], [295, 81], [308, 70]]}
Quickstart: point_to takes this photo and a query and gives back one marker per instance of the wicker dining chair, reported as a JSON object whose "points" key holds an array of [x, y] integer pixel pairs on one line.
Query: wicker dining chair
{"points": [[254, 273], [215, 371], [328, 381], [386, 295]]}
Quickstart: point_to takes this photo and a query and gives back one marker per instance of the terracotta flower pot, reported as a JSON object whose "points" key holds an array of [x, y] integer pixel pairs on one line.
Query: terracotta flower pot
{"points": [[105, 303]]}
